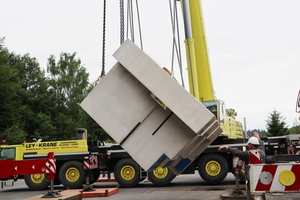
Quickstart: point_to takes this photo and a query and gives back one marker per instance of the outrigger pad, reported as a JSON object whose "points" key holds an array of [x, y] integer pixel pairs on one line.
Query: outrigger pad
{"points": [[52, 194], [146, 111]]}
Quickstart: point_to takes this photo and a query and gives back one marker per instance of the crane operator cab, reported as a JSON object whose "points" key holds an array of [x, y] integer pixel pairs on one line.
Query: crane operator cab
{"points": [[7, 153], [217, 108], [226, 118]]}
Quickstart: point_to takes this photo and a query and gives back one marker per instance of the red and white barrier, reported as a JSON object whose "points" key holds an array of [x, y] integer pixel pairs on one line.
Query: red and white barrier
{"points": [[254, 157], [238, 163], [280, 177], [86, 164], [51, 166]]}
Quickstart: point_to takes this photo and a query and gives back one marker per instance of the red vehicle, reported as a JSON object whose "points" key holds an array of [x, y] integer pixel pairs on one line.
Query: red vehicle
{"points": [[11, 168]]}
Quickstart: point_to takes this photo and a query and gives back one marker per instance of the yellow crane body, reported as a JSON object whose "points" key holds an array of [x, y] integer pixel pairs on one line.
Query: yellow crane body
{"points": [[205, 86], [200, 81]]}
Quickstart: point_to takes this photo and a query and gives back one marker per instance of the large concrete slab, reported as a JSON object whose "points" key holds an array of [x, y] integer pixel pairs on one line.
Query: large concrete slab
{"points": [[146, 111]]}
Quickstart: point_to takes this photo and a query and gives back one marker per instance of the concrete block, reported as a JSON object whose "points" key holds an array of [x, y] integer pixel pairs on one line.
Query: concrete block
{"points": [[147, 112]]}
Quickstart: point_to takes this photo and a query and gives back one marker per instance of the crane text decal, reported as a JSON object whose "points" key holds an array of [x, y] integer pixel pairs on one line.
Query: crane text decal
{"points": [[51, 145], [44, 144]]}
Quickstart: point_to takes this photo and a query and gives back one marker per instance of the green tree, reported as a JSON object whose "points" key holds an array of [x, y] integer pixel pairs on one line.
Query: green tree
{"points": [[45, 131], [34, 93], [68, 86], [33, 105], [295, 129], [11, 108], [14, 134], [276, 125]]}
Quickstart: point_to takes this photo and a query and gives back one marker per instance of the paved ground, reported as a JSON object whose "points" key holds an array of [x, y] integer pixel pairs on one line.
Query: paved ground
{"points": [[188, 187], [182, 187]]}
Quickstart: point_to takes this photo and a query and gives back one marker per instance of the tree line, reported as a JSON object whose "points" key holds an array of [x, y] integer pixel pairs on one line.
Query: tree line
{"points": [[276, 126], [35, 103]]}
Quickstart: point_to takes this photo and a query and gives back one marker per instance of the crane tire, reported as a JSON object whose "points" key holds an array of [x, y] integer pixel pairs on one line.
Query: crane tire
{"points": [[71, 174], [161, 176], [127, 173], [213, 168], [37, 181]]}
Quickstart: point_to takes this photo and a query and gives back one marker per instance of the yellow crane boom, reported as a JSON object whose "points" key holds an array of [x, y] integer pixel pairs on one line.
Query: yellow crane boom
{"points": [[200, 81], [201, 72]]}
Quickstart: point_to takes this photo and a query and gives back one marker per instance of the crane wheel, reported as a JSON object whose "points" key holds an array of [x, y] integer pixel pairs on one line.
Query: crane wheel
{"points": [[37, 181], [127, 173], [161, 176], [71, 174], [213, 168]]}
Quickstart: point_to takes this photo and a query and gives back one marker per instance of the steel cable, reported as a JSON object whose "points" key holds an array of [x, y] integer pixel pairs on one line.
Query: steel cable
{"points": [[103, 39]]}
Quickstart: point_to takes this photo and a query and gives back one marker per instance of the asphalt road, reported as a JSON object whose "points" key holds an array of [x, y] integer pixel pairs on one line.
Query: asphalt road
{"points": [[182, 187]]}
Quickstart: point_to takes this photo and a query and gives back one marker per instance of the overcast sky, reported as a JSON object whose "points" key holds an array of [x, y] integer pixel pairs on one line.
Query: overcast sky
{"points": [[254, 46]]}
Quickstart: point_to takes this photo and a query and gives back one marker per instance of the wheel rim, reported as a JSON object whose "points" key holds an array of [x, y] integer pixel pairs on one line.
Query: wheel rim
{"points": [[127, 172], [213, 168], [72, 174], [37, 178], [160, 172]]}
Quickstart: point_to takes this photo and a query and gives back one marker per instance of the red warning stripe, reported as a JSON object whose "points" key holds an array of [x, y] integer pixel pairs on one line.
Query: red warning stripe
{"points": [[86, 164], [239, 163], [51, 166], [254, 157], [263, 186], [269, 180], [296, 186]]}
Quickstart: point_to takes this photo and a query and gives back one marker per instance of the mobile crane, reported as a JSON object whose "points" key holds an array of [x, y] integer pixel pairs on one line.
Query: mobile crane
{"points": [[212, 165]]}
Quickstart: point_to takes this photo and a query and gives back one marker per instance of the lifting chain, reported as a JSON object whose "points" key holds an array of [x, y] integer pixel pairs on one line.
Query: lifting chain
{"points": [[121, 21], [103, 40]]}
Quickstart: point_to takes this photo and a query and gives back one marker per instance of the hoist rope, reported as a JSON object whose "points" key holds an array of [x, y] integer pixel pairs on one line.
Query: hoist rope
{"points": [[175, 47], [130, 21], [103, 39], [130, 25], [138, 16], [121, 21]]}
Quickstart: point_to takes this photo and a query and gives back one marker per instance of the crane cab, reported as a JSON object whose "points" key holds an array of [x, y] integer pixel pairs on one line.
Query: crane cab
{"points": [[11, 152], [226, 118]]}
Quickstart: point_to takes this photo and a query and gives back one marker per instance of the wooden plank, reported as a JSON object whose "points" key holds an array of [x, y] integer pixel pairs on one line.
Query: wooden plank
{"points": [[65, 196], [98, 192], [106, 180]]}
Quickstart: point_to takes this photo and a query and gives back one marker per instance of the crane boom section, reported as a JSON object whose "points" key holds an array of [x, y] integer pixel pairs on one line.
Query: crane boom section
{"points": [[200, 80], [203, 78]]}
